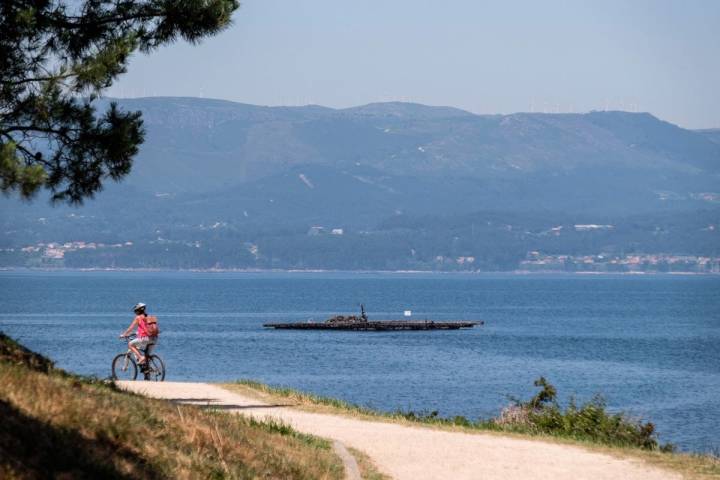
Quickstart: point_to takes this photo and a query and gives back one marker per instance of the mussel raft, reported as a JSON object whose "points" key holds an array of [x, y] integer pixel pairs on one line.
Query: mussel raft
{"points": [[361, 323]]}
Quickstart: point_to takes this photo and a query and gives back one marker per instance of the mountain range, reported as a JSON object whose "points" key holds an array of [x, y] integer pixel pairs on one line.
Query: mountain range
{"points": [[257, 178]]}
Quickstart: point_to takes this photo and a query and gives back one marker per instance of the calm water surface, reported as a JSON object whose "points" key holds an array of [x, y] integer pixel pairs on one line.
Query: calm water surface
{"points": [[650, 345]]}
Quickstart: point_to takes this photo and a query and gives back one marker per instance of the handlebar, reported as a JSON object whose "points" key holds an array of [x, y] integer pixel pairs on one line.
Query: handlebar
{"points": [[128, 337]]}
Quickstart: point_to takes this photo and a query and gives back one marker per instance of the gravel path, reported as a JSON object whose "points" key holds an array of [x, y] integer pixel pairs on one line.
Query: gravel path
{"points": [[416, 452]]}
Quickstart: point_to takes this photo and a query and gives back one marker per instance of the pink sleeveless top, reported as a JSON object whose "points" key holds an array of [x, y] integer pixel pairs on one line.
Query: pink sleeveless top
{"points": [[141, 327]]}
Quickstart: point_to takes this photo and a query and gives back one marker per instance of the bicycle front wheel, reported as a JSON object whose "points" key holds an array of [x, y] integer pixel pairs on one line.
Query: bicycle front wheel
{"points": [[123, 367], [156, 369]]}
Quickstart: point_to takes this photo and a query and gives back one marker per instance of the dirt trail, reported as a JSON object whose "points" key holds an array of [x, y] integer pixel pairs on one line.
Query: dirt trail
{"points": [[416, 452]]}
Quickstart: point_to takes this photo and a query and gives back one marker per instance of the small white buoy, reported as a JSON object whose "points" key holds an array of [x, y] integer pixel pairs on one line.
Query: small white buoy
{"points": [[408, 313]]}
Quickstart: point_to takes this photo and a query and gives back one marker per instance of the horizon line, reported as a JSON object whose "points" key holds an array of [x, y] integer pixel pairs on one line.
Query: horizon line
{"points": [[402, 102]]}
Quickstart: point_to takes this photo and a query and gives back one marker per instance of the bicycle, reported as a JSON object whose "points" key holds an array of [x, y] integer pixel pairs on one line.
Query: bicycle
{"points": [[124, 366]]}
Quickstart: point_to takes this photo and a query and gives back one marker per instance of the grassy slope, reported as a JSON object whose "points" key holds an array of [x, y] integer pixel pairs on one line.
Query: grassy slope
{"points": [[691, 466], [59, 425]]}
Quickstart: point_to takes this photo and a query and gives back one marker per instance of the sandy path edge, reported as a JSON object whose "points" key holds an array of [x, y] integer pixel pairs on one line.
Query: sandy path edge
{"points": [[418, 453]]}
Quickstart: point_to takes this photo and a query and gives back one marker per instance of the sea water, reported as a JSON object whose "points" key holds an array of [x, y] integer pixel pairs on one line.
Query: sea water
{"points": [[649, 344]]}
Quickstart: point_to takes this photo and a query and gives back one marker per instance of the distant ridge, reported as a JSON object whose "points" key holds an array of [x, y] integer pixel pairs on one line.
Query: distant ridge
{"points": [[712, 134], [240, 142], [406, 110], [401, 184]]}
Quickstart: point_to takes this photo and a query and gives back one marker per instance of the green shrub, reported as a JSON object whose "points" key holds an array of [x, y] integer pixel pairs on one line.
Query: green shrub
{"points": [[589, 421], [543, 414]]}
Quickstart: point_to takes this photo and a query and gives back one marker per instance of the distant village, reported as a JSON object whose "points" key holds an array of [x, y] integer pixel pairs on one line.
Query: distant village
{"points": [[56, 251], [52, 254], [629, 263]]}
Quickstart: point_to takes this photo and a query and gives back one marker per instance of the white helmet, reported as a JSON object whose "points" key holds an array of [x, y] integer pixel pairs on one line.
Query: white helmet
{"points": [[139, 307]]}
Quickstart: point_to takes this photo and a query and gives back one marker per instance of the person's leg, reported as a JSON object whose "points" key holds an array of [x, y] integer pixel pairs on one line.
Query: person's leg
{"points": [[147, 351], [135, 351], [135, 345]]}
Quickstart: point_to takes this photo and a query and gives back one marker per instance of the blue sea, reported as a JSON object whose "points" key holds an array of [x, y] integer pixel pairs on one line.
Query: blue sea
{"points": [[649, 344]]}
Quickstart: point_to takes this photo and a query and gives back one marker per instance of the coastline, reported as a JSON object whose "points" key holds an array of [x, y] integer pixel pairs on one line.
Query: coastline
{"points": [[501, 273]]}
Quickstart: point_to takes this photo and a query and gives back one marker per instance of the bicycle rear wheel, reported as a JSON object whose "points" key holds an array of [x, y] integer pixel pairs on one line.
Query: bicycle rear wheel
{"points": [[123, 367], [155, 369]]}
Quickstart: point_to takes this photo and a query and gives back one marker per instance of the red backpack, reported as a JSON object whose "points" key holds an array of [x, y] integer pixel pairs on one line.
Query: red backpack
{"points": [[151, 325]]}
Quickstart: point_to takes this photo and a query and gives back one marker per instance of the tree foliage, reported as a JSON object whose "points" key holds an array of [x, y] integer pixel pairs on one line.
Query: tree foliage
{"points": [[56, 58]]}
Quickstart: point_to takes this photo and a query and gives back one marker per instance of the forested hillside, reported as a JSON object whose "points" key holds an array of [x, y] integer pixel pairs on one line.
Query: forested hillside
{"points": [[387, 186]]}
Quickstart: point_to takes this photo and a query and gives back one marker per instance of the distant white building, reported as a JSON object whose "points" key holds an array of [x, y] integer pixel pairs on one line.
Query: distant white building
{"points": [[590, 227], [318, 230]]}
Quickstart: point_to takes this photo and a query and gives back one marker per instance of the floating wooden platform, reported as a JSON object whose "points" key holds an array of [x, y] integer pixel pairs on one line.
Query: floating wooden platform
{"points": [[373, 326]]}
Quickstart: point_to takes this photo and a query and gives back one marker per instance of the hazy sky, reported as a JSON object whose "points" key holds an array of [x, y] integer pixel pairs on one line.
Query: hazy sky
{"points": [[486, 57]]}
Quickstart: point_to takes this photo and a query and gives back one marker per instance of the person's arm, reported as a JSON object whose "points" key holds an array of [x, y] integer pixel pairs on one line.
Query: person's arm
{"points": [[129, 329]]}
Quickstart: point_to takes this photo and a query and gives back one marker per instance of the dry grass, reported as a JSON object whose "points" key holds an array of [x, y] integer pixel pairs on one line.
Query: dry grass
{"points": [[691, 466], [306, 401], [368, 470], [55, 425]]}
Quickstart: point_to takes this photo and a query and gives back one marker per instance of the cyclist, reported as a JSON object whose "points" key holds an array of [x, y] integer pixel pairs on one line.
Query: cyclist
{"points": [[142, 341]]}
